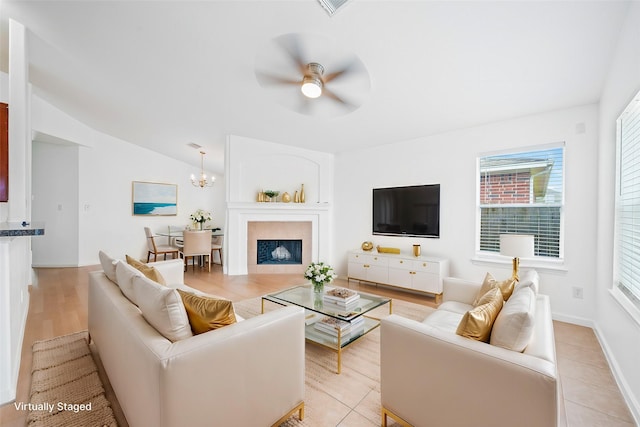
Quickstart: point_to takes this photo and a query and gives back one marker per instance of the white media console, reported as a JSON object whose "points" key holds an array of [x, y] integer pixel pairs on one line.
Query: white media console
{"points": [[423, 273]]}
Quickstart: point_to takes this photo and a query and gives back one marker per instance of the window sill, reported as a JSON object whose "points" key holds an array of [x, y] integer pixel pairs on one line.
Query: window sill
{"points": [[627, 305], [556, 266]]}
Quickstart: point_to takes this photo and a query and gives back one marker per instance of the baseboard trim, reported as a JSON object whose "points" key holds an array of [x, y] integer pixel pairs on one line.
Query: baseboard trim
{"points": [[575, 320], [627, 394]]}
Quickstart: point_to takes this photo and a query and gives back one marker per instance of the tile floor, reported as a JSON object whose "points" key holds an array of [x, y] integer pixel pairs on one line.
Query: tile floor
{"points": [[591, 395]]}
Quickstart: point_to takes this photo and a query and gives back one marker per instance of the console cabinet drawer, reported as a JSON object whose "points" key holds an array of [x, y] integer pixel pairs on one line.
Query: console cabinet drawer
{"points": [[370, 259]]}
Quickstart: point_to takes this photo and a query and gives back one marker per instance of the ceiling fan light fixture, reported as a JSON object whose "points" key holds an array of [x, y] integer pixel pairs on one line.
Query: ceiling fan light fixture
{"points": [[311, 86]]}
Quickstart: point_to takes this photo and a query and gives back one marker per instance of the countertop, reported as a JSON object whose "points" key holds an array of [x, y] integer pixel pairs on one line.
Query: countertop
{"points": [[17, 229]]}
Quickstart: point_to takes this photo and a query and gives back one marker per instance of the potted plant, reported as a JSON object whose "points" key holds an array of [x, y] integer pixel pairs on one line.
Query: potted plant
{"points": [[199, 217], [319, 274]]}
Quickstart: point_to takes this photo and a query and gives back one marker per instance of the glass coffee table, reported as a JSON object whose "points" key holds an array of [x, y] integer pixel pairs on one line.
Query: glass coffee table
{"points": [[330, 325]]}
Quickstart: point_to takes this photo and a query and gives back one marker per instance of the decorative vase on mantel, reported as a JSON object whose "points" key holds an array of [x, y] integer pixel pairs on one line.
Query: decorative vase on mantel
{"points": [[302, 197]]}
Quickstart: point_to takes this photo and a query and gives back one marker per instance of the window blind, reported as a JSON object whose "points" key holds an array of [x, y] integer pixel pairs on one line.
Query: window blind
{"points": [[628, 201], [522, 192]]}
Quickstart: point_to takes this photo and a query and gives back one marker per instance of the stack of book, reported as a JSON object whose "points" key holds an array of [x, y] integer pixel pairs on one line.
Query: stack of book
{"points": [[332, 325], [344, 299]]}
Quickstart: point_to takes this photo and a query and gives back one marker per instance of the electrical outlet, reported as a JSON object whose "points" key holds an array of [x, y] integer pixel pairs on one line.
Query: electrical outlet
{"points": [[577, 292]]}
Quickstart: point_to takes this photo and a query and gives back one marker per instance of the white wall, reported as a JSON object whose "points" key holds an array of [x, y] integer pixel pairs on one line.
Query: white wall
{"points": [[253, 165], [15, 253], [618, 332], [106, 167], [450, 160]]}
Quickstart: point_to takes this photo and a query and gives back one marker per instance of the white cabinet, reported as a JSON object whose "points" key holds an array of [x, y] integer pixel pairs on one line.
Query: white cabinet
{"points": [[369, 267], [422, 273]]}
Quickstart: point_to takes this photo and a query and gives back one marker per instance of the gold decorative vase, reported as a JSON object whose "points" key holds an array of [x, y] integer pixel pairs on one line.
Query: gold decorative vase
{"points": [[286, 198], [296, 197], [302, 199]]}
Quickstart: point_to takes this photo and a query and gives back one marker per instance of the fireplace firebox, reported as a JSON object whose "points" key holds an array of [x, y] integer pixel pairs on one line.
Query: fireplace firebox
{"points": [[279, 251]]}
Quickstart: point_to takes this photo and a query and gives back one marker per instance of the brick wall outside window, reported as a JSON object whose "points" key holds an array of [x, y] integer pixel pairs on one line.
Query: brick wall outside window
{"points": [[512, 187]]}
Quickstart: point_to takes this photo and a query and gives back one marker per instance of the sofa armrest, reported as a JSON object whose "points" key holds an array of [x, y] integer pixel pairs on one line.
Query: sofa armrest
{"points": [[454, 289], [445, 379], [172, 271], [248, 373]]}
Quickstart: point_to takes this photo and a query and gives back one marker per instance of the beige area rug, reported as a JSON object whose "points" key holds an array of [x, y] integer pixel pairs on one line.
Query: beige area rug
{"points": [[65, 387], [351, 398]]}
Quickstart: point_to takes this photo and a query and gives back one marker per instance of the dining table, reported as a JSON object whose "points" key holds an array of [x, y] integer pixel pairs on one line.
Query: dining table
{"points": [[176, 233]]}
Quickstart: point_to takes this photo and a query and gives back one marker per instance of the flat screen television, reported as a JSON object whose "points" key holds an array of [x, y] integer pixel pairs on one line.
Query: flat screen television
{"points": [[412, 211]]}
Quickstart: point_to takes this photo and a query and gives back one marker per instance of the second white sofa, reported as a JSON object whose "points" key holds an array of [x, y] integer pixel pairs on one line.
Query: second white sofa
{"points": [[430, 376]]}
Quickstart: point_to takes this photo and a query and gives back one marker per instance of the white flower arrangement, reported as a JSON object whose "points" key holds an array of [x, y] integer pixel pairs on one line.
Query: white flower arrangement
{"points": [[201, 216], [319, 274]]}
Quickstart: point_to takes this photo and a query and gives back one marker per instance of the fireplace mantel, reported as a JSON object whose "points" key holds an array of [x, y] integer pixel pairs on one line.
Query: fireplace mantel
{"points": [[239, 214]]}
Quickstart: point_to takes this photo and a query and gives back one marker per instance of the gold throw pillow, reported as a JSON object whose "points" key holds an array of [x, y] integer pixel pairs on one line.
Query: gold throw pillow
{"points": [[505, 286], [477, 323], [207, 313], [149, 272]]}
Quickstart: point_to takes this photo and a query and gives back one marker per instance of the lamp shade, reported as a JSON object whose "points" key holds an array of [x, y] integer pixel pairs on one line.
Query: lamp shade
{"points": [[516, 245]]}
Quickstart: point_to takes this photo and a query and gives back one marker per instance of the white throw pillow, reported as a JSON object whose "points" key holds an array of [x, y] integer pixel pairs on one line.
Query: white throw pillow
{"points": [[514, 325], [125, 274], [108, 266], [162, 307], [528, 278]]}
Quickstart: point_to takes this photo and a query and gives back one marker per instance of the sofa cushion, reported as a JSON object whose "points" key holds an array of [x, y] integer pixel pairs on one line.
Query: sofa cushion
{"points": [[505, 286], [455, 307], [207, 313], [477, 323], [162, 307], [108, 266], [443, 320], [148, 271], [514, 325], [125, 274]]}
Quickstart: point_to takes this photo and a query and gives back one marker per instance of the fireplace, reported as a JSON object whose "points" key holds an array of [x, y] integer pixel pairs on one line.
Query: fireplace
{"points": [[250, 222], [276, 251]]}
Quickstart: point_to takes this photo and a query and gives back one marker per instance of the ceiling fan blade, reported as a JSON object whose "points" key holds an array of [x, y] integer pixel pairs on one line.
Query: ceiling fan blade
{"points": [[353, 67], [290, 43], [329, 94], [269, 79]]}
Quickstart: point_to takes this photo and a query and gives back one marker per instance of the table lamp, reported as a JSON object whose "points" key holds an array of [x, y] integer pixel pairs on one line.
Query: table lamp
{"points": [[516, 246]]}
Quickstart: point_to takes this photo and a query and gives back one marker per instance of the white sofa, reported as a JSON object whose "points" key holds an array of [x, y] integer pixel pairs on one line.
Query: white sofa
{"points": [[250, 373], [432, 376]]}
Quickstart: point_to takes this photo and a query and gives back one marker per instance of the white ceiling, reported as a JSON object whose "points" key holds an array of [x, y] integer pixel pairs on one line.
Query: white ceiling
{"points": [[161, 74]]}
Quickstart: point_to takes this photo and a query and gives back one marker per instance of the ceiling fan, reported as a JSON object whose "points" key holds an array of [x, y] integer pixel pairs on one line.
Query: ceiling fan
{"points": [[327, 81]]}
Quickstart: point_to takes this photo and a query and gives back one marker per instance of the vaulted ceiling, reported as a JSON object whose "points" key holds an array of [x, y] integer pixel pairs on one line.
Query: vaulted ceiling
{"points": [[162, 74]]}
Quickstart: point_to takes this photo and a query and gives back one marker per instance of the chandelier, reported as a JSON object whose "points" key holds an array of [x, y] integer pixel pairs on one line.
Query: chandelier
{"points": [[202, 181]]}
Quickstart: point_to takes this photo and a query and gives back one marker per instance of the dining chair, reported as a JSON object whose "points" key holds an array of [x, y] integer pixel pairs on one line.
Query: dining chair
{"points": [[196, 244], [216, 245], [156, 250]]}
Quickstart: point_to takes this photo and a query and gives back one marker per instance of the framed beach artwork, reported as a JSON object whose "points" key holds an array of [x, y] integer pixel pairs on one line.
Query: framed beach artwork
{"points": [[152, 198]]}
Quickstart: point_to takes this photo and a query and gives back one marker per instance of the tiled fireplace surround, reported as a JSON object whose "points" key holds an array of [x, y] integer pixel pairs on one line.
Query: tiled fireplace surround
{"points": [[281, 230], [248, 222]]}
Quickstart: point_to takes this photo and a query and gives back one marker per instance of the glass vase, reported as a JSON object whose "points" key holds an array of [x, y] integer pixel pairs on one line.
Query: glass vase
{"points": [[318, 287]]}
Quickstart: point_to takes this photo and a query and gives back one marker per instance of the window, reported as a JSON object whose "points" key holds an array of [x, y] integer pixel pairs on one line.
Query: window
{"points": [[522, 192], [627, 236]]}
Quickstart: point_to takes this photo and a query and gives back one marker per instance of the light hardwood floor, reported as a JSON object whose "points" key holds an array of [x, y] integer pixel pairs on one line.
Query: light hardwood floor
{"points": [[58, 306]]}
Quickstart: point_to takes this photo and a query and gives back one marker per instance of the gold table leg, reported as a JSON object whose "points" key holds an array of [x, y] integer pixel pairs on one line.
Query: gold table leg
{"points": [[339, 351]]}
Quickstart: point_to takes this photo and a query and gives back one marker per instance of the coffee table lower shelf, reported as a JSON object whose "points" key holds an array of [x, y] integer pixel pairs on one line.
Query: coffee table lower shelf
{"points": [[333, 342]]}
